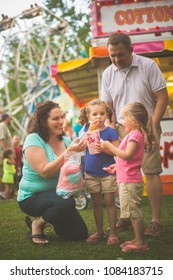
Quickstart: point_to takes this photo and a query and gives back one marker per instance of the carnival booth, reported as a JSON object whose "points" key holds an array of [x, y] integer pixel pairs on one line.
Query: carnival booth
{"points": [[150, 26]]}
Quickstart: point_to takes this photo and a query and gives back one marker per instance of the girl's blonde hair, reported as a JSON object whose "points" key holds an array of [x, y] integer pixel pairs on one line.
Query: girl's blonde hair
{"points": [[84, 112], [136, 111]]}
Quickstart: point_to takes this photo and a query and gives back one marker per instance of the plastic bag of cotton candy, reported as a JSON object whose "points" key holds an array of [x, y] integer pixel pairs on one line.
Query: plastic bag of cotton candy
{"points": [[70, 180]]}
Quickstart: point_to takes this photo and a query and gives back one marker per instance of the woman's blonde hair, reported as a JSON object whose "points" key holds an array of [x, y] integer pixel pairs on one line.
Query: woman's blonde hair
{"points": [[136, 111], [84, 112]]}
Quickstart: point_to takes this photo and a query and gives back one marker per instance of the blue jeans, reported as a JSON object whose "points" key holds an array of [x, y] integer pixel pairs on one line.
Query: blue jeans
{"points": [[59, 212]]}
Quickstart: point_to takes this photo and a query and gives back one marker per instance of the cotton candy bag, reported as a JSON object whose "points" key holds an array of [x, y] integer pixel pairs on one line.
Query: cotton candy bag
{"points": [[70, 179]]}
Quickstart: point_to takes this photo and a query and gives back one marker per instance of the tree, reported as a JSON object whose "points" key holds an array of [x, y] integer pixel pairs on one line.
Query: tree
{"points": [[78, 19]]}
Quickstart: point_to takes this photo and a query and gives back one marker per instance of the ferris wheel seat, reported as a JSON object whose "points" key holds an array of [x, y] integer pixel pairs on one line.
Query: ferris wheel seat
{"points": [[32, 12], [7, 23], [58, 29]]}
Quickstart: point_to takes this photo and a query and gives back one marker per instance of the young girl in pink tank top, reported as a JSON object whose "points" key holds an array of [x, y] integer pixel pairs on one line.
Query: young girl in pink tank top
{"points": [[129, 157]]}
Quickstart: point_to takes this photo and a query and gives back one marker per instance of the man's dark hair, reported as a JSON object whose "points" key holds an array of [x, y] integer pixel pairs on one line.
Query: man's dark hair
{"points": [[117, 38]]}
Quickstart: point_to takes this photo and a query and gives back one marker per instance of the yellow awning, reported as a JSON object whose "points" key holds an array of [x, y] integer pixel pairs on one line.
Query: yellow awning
{"points": [[79, 77]]}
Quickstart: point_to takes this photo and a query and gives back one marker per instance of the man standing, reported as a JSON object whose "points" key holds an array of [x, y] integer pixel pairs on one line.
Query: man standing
{"points": [[134, 78], [5, 142]]}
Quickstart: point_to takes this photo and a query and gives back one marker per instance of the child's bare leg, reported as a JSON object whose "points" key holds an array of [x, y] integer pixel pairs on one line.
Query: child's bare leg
{"points": [[98, 211], [111, 209], [138, 227], [98, 216], [7, 191]]}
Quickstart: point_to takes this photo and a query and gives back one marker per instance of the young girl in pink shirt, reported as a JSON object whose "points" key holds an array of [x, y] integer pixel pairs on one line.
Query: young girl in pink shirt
{"points": [[129, 156]]}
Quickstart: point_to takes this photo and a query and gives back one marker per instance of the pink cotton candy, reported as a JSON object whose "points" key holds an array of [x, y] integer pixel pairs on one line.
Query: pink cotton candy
{"points": [[70, 179], [69, 168]]}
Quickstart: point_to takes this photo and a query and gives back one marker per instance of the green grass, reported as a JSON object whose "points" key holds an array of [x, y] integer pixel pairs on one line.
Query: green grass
{"points": [[15, 245]]}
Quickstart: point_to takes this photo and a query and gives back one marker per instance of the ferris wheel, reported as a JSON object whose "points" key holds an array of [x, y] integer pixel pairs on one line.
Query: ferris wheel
{"points": [[30, 46]]}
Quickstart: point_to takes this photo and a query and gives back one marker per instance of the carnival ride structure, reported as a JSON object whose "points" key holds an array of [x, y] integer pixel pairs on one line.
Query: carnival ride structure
{"points": [[30, 45]]}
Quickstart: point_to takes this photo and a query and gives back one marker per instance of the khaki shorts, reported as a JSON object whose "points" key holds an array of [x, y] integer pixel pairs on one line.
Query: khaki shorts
{"points": [[130, 195], [95, 184], [152, 160]]}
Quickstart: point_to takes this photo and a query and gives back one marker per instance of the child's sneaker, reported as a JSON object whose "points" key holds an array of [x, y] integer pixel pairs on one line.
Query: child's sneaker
{"points": [[154, 229], [123, 224]]}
